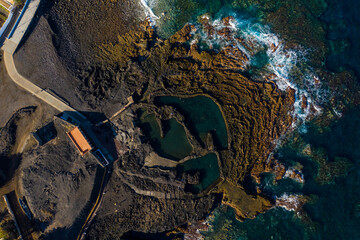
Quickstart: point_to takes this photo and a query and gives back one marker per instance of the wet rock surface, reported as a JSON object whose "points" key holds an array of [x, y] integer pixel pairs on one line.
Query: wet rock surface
{"points": [[146, 200], [90, 57]]}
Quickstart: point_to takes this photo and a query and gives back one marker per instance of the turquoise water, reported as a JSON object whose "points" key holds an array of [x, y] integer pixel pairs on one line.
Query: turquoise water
{"points": [[174, 144], [177, 13], [209, 171], [274, 224], [202, 116]]}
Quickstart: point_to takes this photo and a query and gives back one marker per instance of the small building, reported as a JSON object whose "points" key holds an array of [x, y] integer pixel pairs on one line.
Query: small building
{"points": [[78, 138], [45, 134]]}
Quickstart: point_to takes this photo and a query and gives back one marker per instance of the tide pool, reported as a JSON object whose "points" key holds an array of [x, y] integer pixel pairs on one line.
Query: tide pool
{"points": [[174, 144], [209, 171], [202, 116]]}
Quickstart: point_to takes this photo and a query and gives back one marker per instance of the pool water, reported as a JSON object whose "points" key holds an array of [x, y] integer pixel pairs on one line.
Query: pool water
{"points": [[202, 116], [209, 171], [174, 144]]}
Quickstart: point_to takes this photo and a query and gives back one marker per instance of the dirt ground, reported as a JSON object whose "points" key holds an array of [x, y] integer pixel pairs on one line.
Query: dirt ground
{"points": [[57, 182], [17, 127]]}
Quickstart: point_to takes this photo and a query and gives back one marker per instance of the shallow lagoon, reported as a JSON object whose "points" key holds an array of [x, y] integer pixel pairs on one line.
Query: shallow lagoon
{"points": [[202, 116], [174, 144], [209, 171]]}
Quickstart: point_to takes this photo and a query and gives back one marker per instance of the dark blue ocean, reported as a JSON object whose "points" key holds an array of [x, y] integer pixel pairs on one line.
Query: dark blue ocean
{"points": [[329, 152]]}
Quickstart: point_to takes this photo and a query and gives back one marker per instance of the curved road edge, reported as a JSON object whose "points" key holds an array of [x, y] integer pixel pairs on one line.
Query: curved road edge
{"points": [[35, 90]]}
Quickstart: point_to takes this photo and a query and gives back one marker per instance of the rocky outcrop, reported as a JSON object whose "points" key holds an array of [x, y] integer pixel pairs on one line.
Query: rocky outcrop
{"points": [[280, 171], [256, 113], [292, 202], [147, 200]]}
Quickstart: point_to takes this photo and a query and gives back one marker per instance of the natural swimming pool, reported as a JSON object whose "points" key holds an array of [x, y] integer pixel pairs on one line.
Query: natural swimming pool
{"points": [[202, 116], [174, 143], [209, 171]]}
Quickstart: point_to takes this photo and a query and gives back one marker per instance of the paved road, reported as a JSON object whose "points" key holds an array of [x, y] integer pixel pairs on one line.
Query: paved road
{"points": [[9, 26], [35, 90]]}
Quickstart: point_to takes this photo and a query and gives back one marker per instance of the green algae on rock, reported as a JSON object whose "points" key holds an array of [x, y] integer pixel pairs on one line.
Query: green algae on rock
{"points": [[256, 113]]}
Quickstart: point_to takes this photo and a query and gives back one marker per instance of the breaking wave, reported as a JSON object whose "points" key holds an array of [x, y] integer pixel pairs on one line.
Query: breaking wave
{"points": [[290, 202], [268, 59], [147, 6]]}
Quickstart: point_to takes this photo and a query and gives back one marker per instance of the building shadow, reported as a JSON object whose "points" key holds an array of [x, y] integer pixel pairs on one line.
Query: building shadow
{"points": [[9, 164], [104, 133]]}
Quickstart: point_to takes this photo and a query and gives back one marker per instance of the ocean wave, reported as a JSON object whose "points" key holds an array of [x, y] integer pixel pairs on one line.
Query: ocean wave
{"points": [[147, 6], [286, 67], [291, 202]]}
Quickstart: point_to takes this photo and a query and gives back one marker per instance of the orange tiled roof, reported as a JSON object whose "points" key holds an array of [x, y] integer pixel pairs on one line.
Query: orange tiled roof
{"points": [[79, 140]]}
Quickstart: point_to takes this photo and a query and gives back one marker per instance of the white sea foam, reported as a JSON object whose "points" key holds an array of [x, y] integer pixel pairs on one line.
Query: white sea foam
{"points": [[290, 173], [147, 5], [289, 202], [286, 67], [337, 113]]}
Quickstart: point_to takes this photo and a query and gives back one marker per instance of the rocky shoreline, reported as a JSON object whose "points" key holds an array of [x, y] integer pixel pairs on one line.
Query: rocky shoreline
{"points": [[124, 57]]}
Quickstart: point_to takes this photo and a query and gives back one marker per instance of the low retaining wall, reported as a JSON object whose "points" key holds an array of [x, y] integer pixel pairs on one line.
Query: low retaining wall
{"points": [[13, 216]]}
